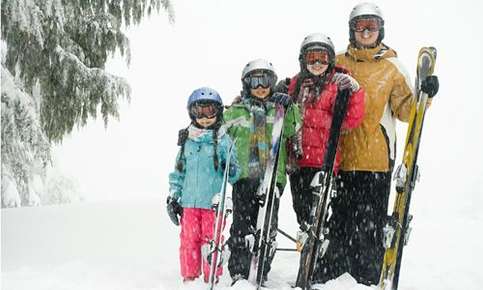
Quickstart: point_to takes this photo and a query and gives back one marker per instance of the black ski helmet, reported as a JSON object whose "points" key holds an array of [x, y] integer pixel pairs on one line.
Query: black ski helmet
{"points": [[365, 10]]}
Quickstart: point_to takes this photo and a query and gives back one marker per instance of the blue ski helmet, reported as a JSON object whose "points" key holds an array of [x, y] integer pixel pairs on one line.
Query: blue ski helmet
{"points": [[205, 95]]}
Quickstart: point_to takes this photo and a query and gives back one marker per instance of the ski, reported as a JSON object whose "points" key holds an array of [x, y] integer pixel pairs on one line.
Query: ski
{"points": [[222, 211], [322, 185], [267, 194], [397, 229]]}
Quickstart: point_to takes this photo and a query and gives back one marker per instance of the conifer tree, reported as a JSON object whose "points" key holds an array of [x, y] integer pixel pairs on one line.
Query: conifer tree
{"points": [[53, 78]]}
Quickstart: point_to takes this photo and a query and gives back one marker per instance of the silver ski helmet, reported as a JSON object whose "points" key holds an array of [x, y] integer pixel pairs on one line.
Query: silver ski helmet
{"points": [[258, 65], [316, 41], [205, 95], [366, 10]]}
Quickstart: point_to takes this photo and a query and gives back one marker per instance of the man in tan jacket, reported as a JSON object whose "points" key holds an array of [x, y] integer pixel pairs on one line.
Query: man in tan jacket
{"points": [[368, 152]]}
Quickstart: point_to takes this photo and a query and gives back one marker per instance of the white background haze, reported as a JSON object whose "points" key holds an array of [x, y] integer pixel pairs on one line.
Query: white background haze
{"points": [[130, 244]]}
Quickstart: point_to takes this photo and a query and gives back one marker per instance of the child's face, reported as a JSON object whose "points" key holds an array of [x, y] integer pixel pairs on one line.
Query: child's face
{"points": [[317, 68], [260, 92], [206, 122], [317, 60]]}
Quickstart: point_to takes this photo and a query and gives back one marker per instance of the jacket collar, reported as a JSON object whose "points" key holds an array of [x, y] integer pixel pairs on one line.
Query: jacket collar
{"points": [[248, 102], [203, 135], [370, 54]]}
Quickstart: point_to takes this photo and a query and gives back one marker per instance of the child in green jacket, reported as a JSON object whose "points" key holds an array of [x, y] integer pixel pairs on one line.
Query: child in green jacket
{"points": [[250, 122]]}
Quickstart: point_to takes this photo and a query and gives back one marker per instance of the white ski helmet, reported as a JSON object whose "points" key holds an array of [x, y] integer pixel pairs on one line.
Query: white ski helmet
{"points": [[316, 41], [366, 10], [260, 65]]}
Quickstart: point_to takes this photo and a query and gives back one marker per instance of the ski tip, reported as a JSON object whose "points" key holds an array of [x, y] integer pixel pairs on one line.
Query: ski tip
{"points": [[431, 50], [426, 61]]}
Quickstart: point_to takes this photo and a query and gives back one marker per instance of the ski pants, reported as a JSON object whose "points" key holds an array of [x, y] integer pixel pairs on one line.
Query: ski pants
{"points": [[302, 193], [197, 227], [359, 213], [245, 212]]}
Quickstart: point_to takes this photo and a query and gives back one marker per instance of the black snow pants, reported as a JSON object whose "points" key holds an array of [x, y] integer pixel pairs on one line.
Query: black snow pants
{"points": [[359, 212], [302, 193], [245, 212]]}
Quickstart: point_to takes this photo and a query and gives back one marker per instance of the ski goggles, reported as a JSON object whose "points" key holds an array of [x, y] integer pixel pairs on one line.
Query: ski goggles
{"points": [[312, 57], [257, 80], [370, 24], [209, 110]]}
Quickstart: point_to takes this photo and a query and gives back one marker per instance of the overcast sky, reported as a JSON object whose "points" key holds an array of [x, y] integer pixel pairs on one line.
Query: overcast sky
{"points": [[211, 41]]}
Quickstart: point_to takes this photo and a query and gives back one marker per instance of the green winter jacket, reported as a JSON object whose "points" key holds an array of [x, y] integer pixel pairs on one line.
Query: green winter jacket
{"points": [[237, 122]]}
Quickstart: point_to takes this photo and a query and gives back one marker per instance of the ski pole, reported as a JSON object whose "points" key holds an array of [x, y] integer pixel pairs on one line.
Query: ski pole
{"points": [[286, 250], [287, 235]]}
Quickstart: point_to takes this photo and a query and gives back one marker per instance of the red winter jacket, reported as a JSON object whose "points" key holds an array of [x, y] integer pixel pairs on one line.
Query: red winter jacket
{"points": [[317, 118]]}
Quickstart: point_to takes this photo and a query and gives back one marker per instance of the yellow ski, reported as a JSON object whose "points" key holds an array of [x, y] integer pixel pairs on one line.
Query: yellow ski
{"points": [[397, 230]]}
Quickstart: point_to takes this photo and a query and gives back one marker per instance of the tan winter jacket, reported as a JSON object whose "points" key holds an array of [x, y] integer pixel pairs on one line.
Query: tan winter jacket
{"points": [[389, 95]]}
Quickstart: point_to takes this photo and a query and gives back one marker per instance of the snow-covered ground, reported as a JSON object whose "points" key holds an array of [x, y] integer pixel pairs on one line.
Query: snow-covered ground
{"points": [[111, 245], [132, 245]]}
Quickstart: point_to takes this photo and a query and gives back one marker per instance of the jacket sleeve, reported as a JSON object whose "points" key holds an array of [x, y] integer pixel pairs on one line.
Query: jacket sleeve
{"points": [[355, 110], [292, 122], [176, 178], [235, 175], [228, 117], [401, 98]]}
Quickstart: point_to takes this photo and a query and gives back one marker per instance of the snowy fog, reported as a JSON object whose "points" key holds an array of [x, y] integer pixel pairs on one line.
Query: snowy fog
{"points": [[121, 236]]}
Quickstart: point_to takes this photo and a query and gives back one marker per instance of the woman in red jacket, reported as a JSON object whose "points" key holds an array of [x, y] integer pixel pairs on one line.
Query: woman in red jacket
{"points": [[315, 89]]}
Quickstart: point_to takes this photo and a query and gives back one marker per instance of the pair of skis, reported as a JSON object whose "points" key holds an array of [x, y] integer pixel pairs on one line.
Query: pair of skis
{"points": [[221, 211], [322, 183], [267, 195], [264, 246], [397, 230]]}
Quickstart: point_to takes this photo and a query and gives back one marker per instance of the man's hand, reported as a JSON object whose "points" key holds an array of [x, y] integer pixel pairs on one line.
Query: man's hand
{"points": [[430, 86]]}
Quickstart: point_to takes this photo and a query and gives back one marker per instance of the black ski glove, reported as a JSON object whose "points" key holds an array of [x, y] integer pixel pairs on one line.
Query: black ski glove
{"points": [[430, 86], [282, 86], [282, 99], [175, 210]]}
